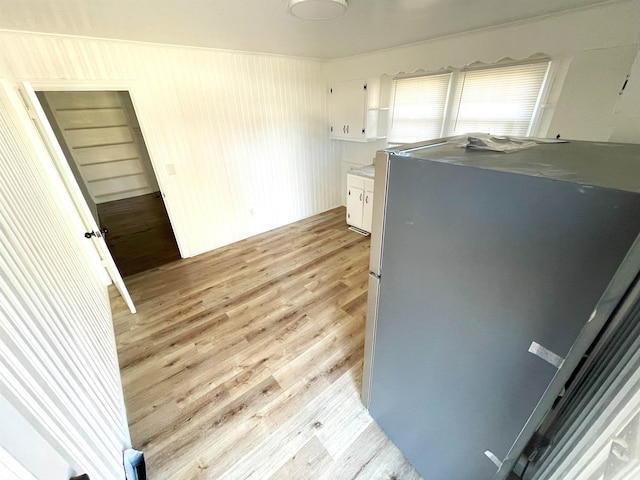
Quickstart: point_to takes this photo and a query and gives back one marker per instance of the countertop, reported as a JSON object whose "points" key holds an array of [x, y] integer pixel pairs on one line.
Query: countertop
{"points": [[367, 171]]}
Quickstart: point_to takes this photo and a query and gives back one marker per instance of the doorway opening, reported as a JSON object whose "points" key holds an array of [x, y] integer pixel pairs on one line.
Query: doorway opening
{"points": [[101, 138]]}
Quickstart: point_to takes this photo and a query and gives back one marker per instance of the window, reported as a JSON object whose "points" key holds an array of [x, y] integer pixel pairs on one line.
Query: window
{"points": [[418, 108], [498, 100]]}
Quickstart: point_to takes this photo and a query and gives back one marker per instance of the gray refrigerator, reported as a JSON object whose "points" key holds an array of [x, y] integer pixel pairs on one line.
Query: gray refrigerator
{"points": [[491, 274]]}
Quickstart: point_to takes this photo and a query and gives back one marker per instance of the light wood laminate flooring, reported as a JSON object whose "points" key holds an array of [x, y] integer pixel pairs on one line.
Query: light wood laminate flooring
{"points": [[246, 362]]}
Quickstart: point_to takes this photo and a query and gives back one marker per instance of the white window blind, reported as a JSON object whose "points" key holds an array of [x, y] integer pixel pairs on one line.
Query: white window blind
{"points": [[419, 108], [500, 101]]}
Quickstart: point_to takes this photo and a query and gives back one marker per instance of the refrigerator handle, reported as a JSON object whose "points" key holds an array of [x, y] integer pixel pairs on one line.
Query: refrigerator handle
{"points": [[370, 337]]}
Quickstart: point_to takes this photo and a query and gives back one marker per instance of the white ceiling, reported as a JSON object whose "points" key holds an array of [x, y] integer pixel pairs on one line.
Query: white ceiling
{"points": [[266, 26]]}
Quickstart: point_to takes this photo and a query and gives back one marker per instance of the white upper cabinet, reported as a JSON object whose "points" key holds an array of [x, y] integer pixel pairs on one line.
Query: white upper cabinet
{"points": [[347, 106], [355, 113]]}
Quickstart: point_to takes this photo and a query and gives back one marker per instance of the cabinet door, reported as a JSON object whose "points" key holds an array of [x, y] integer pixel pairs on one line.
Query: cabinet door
{"points": [[337, 111], [367, 207], [355, 199], [348, 109]]}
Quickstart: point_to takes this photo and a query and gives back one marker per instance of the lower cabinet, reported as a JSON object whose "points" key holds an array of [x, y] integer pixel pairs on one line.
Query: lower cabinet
{"points": [[359, 202]]}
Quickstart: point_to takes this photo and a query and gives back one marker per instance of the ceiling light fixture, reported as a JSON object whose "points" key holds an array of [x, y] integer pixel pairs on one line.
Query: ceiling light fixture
{"points": [[317, 9]]}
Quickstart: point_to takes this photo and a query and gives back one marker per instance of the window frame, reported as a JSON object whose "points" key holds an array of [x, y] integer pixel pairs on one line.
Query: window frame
{"points": [[540, 118]]}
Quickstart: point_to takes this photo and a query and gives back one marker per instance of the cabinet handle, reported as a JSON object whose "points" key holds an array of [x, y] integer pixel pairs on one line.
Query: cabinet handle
{"points": [[366, 199], [349, 193], [347, 128], [344, 129], [360, 197]]}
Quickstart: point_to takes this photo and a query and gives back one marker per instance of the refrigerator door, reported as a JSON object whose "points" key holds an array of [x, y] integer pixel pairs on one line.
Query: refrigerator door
{"points": [[476, 265], [381, 163]]}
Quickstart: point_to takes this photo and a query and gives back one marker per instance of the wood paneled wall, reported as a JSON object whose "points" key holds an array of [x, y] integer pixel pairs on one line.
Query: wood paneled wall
{"points": [[99, 133], [58, 363], [245, 134]]}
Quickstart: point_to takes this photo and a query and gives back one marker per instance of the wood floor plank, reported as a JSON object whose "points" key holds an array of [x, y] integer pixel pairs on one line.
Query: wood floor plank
{"points": [[370, 456], [350, 419], [291, 433], [308, 462], [246, 362]]}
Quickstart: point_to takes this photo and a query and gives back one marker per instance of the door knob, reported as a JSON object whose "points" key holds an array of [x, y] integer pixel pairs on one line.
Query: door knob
{"points": [[100, 233]]}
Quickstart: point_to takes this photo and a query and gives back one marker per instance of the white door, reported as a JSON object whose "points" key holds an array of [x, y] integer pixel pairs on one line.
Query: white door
{"points": [[46, 132]]}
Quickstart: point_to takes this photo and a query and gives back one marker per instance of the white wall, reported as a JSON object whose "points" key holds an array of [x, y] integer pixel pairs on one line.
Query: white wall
{"points": [[99, 133], [29, 447], [58, 359], [245, 133], [599, 44]]}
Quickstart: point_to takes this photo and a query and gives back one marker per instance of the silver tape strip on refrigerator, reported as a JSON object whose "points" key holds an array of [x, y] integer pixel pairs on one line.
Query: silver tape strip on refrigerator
{"points": [[546, 354], [492, 456]]}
